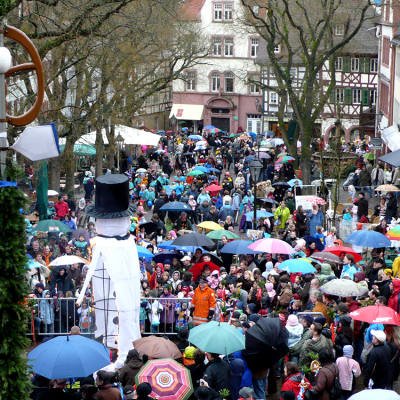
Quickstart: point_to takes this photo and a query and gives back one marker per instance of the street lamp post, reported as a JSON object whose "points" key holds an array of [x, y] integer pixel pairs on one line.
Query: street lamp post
{"points": [[255, 168], [258, 143], [173, 124], [119, 140]]}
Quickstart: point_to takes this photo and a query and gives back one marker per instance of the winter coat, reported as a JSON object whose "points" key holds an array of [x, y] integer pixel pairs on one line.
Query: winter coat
{"points": [[295, 349], [314, 346], [394, 301], [325, 380], [237, 371], [217, 375], [214, 279], [321, 307], [326, 272], [225, 211], [376, 366], [340, 342], [315, 220], [391, 208], [130, 370], [247, 377], [378, 174], [283, 215], [236, 200], [46, 309], [292, 382], [362, 208], [167, 315], [295, 334], [365, 178], [353, 306], [345, 366], [64, 283], [394, 368]]}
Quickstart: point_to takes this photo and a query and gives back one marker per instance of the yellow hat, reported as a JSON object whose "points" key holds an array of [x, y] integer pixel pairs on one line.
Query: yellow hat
{"points": [[388, 272], [189, 352]]}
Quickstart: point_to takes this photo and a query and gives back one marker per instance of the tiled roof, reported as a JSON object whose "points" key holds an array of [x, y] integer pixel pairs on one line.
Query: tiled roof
{"points": [[190, 10]]}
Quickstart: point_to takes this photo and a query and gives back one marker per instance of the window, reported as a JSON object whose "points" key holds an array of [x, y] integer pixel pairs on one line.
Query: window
{"points": [[273, 98], [356, 96], [355, 64], [277, 49], [339, 95], [228, 42], [190, 80], [339, 64], [254, 47], [215, 82], [373, 65], [339, 29], [218, 12], [293, 73], [217, 46], [228, 82], [253, 87], [386, 51], [228, 15], [372, 94], [384, 98]]}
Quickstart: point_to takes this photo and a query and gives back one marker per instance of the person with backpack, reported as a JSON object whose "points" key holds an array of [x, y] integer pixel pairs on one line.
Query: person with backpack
{"points": [[326, 381], [349, 370]]}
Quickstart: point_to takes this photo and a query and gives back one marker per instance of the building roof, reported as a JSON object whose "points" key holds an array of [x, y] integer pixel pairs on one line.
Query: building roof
{"points": [[190, 10]]}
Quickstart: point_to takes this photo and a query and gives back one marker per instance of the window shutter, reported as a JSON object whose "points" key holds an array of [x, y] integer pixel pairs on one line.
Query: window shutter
{"points": [[346, 64], [365, 97], [347, 96], [332, 96], [364, 65]]}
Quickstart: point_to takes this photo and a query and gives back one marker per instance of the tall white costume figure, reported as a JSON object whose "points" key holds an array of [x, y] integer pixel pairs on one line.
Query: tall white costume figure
{"points": [[114, 269]]}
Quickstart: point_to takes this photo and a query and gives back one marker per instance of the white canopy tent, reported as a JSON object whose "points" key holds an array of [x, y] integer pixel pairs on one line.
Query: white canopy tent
{"points": [[90, 138], [137, 136]]}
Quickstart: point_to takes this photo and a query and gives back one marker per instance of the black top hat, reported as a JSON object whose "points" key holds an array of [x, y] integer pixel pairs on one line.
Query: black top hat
{"points": [[203, 393], [111, 198], [183, 334], [143, 389]]}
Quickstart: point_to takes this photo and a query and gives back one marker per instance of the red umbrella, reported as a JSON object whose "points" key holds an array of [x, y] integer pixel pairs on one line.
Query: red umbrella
{"points": [[376, 315], [197, 269], [314, 200], [342, 249], [169, 132], [213, 188]]}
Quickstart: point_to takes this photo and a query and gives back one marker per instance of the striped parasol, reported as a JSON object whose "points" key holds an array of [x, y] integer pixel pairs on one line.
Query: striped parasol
{"points": [[314, 200], [169, 380], [394, 234]]}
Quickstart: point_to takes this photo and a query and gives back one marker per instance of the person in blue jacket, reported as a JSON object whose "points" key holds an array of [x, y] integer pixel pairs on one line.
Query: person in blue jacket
{"points": [[316, 219], [349, 268]]}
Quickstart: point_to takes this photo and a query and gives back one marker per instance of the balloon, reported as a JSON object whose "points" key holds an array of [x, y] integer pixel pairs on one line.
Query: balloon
{"points": [[182, 179], [149, 203], [140, 193]]}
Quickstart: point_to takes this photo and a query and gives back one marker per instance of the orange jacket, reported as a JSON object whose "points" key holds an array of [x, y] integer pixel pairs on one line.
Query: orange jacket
{"points": [[203, 301]]}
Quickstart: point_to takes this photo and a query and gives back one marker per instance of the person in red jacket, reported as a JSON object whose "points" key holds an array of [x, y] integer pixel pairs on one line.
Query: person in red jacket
{"points": [[157, 274], [62, 208], [358, 335], [394, 300], [293, 379]]}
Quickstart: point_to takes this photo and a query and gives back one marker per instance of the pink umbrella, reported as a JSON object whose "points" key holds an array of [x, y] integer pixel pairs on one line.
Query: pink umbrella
{"points": [[315, 200], [273, 246]]}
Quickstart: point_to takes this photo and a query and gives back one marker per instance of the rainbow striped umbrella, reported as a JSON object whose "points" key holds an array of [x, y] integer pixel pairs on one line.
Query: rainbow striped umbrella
{"points": [[169, 380], [284, 159], [394, 234], [215, 130]]}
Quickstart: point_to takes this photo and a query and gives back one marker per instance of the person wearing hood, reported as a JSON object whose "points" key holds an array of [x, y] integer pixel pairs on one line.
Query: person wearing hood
{"points": [[169, 226], [225, 211], [158, 271], [236, 201], [248, 198], [175, 280], [394, 300], [349, 370], [269, 266], [237, 372], [293, 378], [295, 329], [326, 272], [62, 281], [132, 366], [239, 179], [214, 279], [282, 214], [344, 335], [203, 210], [46, 312], [349, 269], [203, 197]]}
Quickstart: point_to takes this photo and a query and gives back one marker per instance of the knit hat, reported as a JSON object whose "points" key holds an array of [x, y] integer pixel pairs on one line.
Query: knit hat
{"points": [[189, 351], [293, 320], [308, 318], [320, 320], [245, 392], [254, 318], [40, 285], [243, 317], [288, 395], [388, 272], [348, 351], [345, 320], [167, 261], [270, 289]]}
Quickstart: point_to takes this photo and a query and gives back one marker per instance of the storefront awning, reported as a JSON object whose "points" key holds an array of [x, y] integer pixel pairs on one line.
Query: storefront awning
{"points": [[391, 137], [190, 112]]}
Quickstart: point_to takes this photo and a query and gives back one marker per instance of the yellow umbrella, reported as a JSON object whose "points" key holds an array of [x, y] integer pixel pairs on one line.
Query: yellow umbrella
{"points": [[212, 226]]}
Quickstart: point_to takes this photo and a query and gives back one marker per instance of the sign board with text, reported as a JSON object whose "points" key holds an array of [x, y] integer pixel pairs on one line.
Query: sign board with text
{"points": [[376, 141]]}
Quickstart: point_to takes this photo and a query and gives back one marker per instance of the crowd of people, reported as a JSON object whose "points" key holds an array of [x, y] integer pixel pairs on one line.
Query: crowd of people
{"points": [[187, 288]]}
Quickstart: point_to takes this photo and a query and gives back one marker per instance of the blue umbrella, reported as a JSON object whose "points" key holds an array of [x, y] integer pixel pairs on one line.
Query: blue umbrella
{"points": [[161, 257], [176, 206], [238, 247], [196, 137], [368, 239], [167, 245], [185, 128], [252, 134], [296, 265], [69, 357], [159, 151], [214, 169], [249, 159], [259, 214], [209, 127], [292, 182], [270, 134], [32, 264], [318, 244], [160, 132], [143, 252], [202, 169]]}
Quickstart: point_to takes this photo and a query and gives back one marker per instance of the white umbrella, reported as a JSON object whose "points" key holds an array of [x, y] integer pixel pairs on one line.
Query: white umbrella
{"points": [[375, 394], [276, 141], [343, 288], [68, 260], [141, 170], [201, 143], [52, 193]]}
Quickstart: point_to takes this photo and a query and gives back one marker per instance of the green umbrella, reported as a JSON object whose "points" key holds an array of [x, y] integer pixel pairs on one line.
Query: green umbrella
{"points": [[282, 155], [217, 234], [195, 173], [217, 337], [52, 225], [368, 156], [82, 149]]}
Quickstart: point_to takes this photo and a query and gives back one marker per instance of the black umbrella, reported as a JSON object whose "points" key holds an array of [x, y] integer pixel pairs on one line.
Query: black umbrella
{"points": [[282, 184], [149, 227], [327, 257], [193, 239], [318, 244], [175, 206], [78, 232], [216, 260], [266, 200], [187, 154], [161, 257], [266, 343]]}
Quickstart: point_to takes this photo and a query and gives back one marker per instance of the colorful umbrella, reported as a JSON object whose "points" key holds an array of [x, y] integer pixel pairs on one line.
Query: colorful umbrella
{"points": [[368, 238], [156, 347], [327, 257], [273, 246], [343, 288], [238, 247], [338, 250], [209, 127], [293, 182], [217, 234], [394, 234], [314, 200], [215, 130], [213, 188], [195, 173], [368, 156], [169, 380], [196, 137], [217, 337], [284, 159], [387, 188], [296, 265], [376, 315], [263, 154], [52, 225], [212, 226], [197, 269], [282, 155]]}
